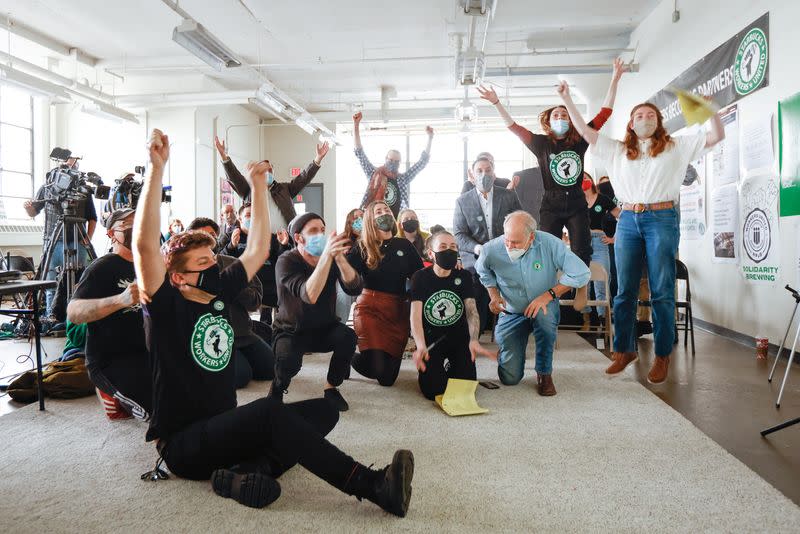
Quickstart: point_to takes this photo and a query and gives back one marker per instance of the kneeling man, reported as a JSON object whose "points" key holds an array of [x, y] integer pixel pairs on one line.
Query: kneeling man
{"points": [[519, 269]]}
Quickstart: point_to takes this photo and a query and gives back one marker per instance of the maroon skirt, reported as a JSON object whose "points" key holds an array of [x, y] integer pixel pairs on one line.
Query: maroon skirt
{"points": [[381, 322]]}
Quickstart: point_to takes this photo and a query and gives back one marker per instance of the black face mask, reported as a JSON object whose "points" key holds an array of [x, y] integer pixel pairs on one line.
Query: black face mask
{"points": [[127, 240], [446, 259], [385, 222], [411, 226], [208, 280]]}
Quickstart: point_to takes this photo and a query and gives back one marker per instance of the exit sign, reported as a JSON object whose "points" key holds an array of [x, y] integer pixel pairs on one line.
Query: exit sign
{"points": [[295, 172]]}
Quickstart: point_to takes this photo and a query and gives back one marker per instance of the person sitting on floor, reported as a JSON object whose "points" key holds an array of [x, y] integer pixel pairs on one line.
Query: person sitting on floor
{"points": [[252, 356], [200, 432], [107, 299], [519, 269], [444, 319], [306, 322]]}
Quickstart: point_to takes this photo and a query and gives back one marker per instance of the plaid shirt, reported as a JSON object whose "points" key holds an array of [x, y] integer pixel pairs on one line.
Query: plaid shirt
{"points": [[403, 179]]}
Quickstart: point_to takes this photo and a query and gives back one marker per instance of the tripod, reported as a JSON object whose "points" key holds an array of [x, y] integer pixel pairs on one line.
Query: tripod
{"points": [[68, 225], [781, 426]]}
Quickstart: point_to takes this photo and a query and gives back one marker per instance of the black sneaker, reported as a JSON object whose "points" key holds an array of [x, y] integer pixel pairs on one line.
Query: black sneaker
{"points": [[393, 485], [643, 328], [333, 396], [255, 490]]}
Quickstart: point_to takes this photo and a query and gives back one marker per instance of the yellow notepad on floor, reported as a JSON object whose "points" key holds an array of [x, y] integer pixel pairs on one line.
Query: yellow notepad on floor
{"points": [[695, 108], [459, 398]]}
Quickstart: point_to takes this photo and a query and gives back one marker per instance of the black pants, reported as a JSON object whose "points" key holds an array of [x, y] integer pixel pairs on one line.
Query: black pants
{"points": [[481, 300], [378, 365], [129, 380], [433, 381], [566, 208], [286, 434], [289, 348], [253, 360]]}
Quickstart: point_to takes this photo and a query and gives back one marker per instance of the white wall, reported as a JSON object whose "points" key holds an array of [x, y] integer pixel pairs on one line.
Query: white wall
{"points": [[287, 146], [720, 295]]}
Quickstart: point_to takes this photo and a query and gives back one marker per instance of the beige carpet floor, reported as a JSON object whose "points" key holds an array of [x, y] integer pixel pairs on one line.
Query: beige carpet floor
{"points": [[603, 455]]}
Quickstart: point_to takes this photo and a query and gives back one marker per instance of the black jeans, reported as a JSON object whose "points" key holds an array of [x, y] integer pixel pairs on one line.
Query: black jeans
{"points": [[289, 349], [433, 381], [287, 434], [253, 360], [566, 208], [130, 381], [378, 365]]}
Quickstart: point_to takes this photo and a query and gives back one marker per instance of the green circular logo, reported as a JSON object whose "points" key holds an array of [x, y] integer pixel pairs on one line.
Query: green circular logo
{"points": [[598, 208], [566, 167], [537, 266], [391, 194], [443, 308], [219, 305], [750, 66], [212, 342]]}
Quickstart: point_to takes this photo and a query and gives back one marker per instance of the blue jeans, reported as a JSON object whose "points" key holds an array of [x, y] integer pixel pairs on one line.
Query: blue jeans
{"points": [[600, 255], [512, 333], [654, 234], [56, 263]]}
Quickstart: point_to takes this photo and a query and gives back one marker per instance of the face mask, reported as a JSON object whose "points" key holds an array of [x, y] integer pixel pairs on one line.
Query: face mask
{"points": [[586, 185], [385, 222], [411, 226], [208, 280], [270, 178], [645, 128], [392, 166], [559, 126], [315, 244], [127, 240], [358, 225], [484, 182], [246, 223], [446, 259], [515, 253]]}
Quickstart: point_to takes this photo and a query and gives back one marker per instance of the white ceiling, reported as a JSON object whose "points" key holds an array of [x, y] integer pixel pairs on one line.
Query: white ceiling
{"points": [[329, 54]]}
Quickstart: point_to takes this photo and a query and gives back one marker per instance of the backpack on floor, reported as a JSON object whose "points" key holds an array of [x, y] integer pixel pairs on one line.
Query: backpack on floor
{"points": [[61, 380]]}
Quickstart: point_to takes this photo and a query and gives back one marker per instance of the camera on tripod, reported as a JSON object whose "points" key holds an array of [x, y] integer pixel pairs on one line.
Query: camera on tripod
{"points": [[127, 190], [67, 186]]}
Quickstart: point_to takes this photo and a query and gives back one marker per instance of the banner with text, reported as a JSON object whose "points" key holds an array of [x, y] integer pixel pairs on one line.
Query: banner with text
{"points": [[733, 70]]}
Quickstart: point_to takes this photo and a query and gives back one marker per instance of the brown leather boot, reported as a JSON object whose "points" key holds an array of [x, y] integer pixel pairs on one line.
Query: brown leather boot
{"points": [[658, 373], [621, 361], [545, 385], [581, 298], [587, 322]]}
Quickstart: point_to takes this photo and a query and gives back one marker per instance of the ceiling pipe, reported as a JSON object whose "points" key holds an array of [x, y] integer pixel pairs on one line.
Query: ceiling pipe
{"points": [[555, 70], [46, 41]]}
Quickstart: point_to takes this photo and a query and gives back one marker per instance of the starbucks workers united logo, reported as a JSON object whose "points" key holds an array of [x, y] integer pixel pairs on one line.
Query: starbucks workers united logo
{"points": [[566, 167], [212, 342], [443, 308], [391, 194], [750, 66]]}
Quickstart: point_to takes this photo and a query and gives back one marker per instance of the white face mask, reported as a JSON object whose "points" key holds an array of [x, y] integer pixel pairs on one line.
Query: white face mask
{"points": [[516, 253], [644, 128]]}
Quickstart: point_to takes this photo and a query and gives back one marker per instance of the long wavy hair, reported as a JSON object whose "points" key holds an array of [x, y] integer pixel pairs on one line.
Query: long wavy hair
{"points": [[348, 224], [659, 142], [369, 243], [572, 136]]}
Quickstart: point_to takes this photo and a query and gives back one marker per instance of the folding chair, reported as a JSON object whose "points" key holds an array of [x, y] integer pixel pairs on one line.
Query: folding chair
{"points": [[597, 274]]}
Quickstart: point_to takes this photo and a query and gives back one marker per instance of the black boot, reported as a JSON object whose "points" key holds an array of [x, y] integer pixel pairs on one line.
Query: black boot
{"points": [[253, 489], [389, 488], [276, 392]]}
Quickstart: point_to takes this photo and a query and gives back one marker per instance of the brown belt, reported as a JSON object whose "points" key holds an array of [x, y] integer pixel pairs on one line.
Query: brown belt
{"points": [[639, 208]]}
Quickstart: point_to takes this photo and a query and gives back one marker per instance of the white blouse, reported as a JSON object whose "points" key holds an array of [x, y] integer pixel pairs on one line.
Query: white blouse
{"points": [[648, 180]]}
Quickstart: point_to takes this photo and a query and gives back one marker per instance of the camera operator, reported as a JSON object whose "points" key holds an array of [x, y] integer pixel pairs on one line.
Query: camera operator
{"points": [[107, 298], [52, 211]]}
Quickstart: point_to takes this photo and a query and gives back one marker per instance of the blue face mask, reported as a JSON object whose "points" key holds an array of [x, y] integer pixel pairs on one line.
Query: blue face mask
{"points": [[315, 244], [246, 223], [392, 166], [559, 126], [358, 225], [270, 178]]}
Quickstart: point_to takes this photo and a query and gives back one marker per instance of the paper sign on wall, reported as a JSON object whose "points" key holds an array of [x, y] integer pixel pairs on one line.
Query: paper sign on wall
{"points": [[758, 213], [693, 201], [725, 155], [725, 216], [756, 144]]}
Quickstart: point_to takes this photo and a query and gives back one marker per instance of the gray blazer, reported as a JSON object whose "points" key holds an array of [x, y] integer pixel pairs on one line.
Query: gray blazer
{"points": [[469, 225]]}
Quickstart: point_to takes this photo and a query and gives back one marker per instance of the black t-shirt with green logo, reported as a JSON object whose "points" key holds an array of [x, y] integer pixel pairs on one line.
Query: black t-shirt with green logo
{"points": [[191, 352], [392, 196], [561, 162], [443, 310], [400, 261], [597, 211]]}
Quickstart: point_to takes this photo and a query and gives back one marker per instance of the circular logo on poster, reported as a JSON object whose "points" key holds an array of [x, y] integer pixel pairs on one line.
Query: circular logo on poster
{"points": [[391, 194], [756, 235], [443, 308], [750, 66], [212, 342], [566, 167]]}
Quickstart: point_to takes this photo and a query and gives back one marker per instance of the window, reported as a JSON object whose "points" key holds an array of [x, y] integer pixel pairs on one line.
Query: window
{"points": [[16, 153]]}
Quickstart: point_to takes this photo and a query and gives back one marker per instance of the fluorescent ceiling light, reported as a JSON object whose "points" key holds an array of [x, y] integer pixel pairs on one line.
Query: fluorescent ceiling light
{"points": [[257, 102], [270, 101], [196, 39], [32, 84], [305, 124], [109, 112]]}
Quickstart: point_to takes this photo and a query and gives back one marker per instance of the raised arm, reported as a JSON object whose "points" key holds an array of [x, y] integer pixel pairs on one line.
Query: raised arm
{"points": [[588, 133], [429, 131], [611, 96], [716, 133], [258, 241], [91, 310], [308, 174], [357, 130], [147, 260], [525, 135], [235, 179]]}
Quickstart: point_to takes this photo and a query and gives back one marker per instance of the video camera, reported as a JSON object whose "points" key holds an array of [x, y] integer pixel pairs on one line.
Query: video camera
{"points": [[67, 185], [127, 191]]}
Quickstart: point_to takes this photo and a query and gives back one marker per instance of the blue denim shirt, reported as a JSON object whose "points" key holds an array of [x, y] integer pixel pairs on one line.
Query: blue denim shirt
{"points": [[521, 281]]}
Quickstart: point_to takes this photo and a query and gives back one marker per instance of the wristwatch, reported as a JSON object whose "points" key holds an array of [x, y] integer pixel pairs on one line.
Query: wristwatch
{"points": [[552, 293]]}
